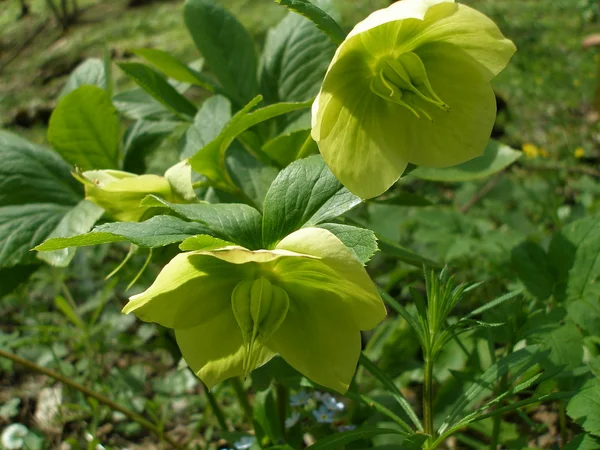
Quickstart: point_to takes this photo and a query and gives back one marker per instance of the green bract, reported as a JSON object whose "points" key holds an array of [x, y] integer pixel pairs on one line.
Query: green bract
{"points": [[410, 84], [120, 193], [233, 309]]}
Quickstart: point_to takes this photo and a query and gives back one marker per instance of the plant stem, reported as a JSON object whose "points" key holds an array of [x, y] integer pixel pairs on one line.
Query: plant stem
{"points": [[282, 403], [563, 422], [212, 401], [428, 398], [88, 392], [242, 396]]}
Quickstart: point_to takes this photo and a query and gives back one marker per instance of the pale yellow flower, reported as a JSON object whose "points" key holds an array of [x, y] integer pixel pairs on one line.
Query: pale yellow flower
{"points": [[531, 150], [579, 153]]}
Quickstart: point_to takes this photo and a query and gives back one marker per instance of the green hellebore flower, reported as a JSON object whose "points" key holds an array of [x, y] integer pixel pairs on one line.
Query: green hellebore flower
{"points": [[233, 309], [410, 84], [120, 193]]}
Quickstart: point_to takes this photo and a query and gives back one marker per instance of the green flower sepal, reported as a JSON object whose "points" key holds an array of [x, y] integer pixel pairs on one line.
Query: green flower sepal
{"points": [[233, 309], [409, 84], [121, 193]]}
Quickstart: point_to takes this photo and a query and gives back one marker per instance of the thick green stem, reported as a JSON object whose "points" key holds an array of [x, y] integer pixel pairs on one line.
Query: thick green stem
{"points": [[214, 405], [563, 422], [92, 394], [428, 399], [242, 396]]}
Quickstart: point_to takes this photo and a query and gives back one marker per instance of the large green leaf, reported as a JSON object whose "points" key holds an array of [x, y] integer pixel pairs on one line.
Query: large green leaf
{"points": [[294, 60], [495, 158], [84, 129], [232, 222], [575, 256], [319, 17], [155, 85], [226, 46], [583, 442], [36, 191], [78, 220], [157, 231], [210, 160], [360, 241], [584, 407], [141, 139], [90, 72], [212, 117], [267, 424], [304, 194], [137, 104]]}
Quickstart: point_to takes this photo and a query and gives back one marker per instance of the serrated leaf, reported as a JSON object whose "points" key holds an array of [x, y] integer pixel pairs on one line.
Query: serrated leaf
{"points": [[84, 129], [212, 117], [78, 220], [295, 59], [575, 257], [495, 158], [583, 442], [304, 194], [531, 264], [338, 440], [226, 46], [173, 68], [320, 18], [155, 85], [157, 231], [360, 241], [89, 72], [584, 407], [566, 347], [232, 222], [210, 160]]}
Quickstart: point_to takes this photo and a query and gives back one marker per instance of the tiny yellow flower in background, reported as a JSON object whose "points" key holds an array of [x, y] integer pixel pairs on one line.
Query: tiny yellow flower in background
{"points": [[579, 153], [576, 83], [543, 152], [531, 150]]}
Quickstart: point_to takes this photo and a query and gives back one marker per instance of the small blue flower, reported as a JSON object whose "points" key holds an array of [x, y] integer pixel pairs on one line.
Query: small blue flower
{"points": [[299, 399], [343, 428], [323, 414], [244, 443], [332, 403], [292, 420]]}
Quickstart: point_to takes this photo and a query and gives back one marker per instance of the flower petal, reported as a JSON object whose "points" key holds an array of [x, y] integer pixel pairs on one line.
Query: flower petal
{"points": [[319, 340], [215, 349], [191, 289], [337, 277], [239, 255]]}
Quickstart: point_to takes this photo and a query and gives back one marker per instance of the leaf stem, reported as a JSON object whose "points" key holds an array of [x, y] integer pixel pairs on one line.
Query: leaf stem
{"points": [[96, 396], [216, 409], [242, 396], [428, 399]]}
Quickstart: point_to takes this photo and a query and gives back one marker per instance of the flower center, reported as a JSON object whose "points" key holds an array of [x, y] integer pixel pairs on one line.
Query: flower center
{"points": [[259, 309], [404, 81]]}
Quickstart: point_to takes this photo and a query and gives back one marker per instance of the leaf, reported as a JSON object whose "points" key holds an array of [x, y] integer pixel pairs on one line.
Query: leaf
{"points": [[84, 129], [404, 199], [203, 242], [89, 72], [78, 220], [566, 347], [232, 222], [284, 148], [173, 68], [575, 257], [226, 46], [360, 241], [252, 176], [210, 160], [304, 194], [11, 278], [141, 139], [583, 442], [208, 123], [338, 440], [157, 231], [155, 85], [404, 254], [495, 158], [584, 407], [531, 264], [319, 17], [266, 419], [295, 59], [137, 104]]}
